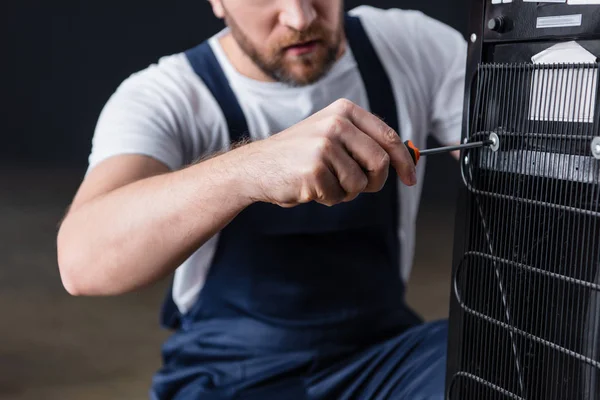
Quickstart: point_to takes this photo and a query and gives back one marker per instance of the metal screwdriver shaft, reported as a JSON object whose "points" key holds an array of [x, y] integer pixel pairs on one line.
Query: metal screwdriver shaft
{"points": [[415, 153], [448, 149]]}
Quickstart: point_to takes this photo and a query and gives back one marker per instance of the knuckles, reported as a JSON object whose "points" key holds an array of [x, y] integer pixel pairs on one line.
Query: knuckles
{"points": [[336, 124], [344, 107], [384, 162], [324, 145], [361, 184], [390, 135]]}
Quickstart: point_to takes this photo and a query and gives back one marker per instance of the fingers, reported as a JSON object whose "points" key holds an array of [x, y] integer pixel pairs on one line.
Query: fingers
{"points": [[350, 176], [365, 151], [328, 190], [385, 137]]}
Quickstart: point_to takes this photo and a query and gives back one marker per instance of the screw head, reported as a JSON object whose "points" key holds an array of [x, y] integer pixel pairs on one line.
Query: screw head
{"points": [[596, 147], [473, 38], [495, 141]]}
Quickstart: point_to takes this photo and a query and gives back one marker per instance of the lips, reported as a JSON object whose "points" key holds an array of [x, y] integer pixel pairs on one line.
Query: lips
{"points": [[302, 47]]}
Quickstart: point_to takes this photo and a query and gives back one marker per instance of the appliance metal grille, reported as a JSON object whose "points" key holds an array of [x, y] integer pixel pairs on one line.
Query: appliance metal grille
{"points": [[528, 281]]}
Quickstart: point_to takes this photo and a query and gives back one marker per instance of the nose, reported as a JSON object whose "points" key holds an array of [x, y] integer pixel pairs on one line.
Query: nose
{"points": [[298, 14]]}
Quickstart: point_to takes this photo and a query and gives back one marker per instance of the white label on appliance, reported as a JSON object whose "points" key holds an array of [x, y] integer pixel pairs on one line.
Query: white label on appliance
{"points": [[583, 2], [564, 94], [559, 21]]}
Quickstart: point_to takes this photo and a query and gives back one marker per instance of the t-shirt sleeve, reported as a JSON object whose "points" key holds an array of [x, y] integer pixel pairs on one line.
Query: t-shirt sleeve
{"points": [[145, 116], [445, 52], [430, 59]]}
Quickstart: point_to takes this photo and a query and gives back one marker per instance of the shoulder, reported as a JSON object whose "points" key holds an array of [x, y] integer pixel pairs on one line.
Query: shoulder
{"points": [[163, 110], [170, 90], [410, 38], [169, 77]]}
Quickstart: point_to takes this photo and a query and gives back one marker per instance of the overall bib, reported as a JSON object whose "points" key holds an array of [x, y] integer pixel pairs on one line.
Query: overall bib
{"points": [[305, 302]]}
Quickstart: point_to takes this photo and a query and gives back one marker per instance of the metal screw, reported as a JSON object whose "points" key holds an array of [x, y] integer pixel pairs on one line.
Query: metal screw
{"points": [[596, 147], [473, 38], [495, 141]]}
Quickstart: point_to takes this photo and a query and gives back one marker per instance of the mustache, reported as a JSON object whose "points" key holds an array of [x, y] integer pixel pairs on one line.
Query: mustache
{"points": [[311, 34]]}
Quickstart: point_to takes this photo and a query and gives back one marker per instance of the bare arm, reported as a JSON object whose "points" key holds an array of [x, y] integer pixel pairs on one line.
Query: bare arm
{"points": [[132, 222]]}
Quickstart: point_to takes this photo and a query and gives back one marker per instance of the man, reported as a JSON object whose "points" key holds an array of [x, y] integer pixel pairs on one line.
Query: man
{"points": [[266, 167]]}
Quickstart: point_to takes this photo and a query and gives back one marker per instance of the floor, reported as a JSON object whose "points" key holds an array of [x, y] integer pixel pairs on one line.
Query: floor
{"points": [[53, 346]]}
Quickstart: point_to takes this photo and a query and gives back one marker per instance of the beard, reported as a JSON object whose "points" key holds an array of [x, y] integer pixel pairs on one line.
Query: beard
{"points": [[293, 70]]}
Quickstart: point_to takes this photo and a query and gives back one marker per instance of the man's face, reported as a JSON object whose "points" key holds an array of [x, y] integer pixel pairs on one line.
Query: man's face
{"points": [[292, 41]]}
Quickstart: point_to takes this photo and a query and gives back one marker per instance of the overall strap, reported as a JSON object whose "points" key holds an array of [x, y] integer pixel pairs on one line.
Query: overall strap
{"points": [[381, 101], [375, 78], [376, 81], [207, 67]]}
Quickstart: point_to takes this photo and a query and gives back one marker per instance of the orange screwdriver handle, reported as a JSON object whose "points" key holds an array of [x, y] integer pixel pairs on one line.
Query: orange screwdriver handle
{"points": [[413, 150]]}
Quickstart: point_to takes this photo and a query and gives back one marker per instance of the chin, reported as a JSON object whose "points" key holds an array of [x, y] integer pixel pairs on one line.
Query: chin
{"points": [[304, 73], [301, 77]]}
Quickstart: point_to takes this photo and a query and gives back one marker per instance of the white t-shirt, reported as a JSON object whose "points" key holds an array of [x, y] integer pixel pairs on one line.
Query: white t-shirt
{"points": [[166, 112]]}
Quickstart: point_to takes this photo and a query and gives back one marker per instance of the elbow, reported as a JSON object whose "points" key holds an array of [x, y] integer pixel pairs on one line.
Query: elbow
{"points": [[83, 274], [71, 286], [69, 266], [79, 276], [71, 283], [76, 267]]}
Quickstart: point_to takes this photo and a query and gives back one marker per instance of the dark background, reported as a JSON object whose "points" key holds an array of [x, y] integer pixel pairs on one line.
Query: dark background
{"points": [[60, 62], [63, 59]]}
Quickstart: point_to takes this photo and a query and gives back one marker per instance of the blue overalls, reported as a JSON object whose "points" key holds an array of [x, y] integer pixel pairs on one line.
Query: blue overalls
{"points": [[305, 302]]}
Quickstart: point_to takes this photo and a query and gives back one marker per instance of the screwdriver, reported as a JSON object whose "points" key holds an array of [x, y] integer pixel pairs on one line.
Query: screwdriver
{"points": [[416, 154]]}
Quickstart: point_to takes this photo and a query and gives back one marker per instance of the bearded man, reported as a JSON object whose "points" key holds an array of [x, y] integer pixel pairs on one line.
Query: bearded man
{"points": [[265, 168]]}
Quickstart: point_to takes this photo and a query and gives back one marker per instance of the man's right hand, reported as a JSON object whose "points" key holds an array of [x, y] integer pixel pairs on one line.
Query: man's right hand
{"points": [[331, 157], [146, 220]]}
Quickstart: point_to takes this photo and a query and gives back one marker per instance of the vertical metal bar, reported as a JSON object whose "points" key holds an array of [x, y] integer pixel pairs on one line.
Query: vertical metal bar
{"points": [[583, 272], [495, 221], [514, 228], [533, 86], [483, 239], [475, 231], [544, 249], [528, 209], [490, 214], [540, 82], [486, 336], [553, 256], [521, 280], [472, 233], [587, 221], [568, 222], [549, 227], [504, 229], [507, 227], [574, 292], [584, 226], [494, 300]]}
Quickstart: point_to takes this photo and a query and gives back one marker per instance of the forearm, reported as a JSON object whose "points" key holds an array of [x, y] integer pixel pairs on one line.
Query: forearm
{"points": [[141, 232]]}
